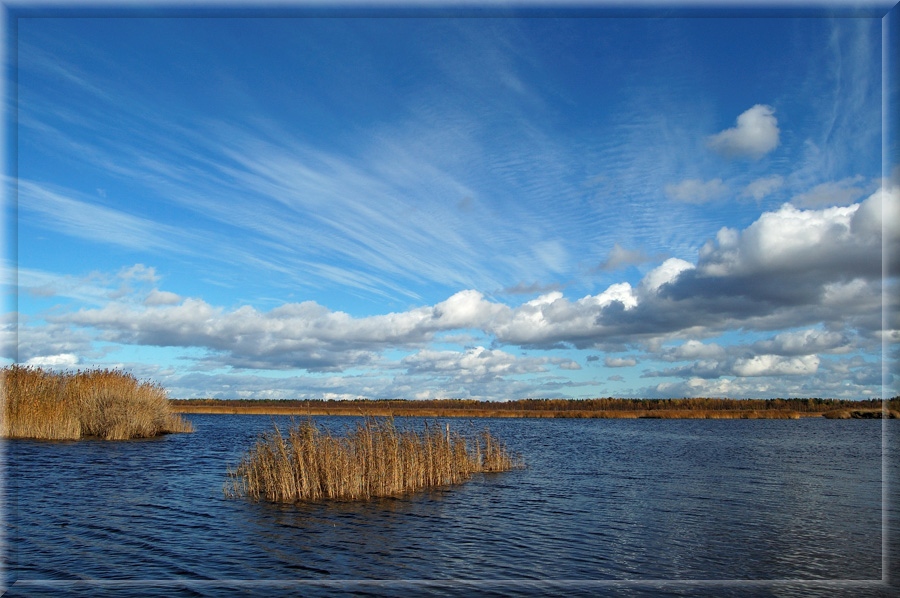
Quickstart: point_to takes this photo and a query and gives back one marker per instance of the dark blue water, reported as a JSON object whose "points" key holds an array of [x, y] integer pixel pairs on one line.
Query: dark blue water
{"points": [[624, 507]]}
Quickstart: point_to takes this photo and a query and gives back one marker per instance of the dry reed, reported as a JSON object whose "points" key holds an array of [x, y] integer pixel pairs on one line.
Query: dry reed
{"points": [[107, 404], [374, 459]]}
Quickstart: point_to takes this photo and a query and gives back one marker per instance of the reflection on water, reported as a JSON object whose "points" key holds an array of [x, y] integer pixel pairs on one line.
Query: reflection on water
{"points": [[604, 505]]}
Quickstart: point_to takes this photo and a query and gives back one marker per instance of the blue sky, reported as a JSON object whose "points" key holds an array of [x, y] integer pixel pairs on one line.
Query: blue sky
{"points": [[489, 208]]}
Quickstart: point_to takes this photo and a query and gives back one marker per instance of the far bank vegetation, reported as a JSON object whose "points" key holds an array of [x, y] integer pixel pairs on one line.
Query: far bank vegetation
{"points": [[100, 403], [375, 459], [684, 408]]}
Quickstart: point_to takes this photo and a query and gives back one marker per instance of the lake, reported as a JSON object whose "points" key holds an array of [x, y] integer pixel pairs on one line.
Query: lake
{"points": [[626, 507]]}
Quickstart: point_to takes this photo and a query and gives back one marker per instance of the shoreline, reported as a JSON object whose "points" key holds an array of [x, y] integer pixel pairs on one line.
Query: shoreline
{"points": [[354, 409], [485, 413]]}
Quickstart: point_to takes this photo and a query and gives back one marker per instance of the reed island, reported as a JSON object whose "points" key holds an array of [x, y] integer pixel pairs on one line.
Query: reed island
{"points": [[107, 404], [375, 459]]}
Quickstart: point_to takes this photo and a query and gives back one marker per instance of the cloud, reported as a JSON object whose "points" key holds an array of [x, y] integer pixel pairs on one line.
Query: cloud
{"points": [[467, 309], [763, 187], [665, 273], [479, 363], [528, 289], [157, 297], [694, 349], [45, 344], [839, 242], [551, 254], [743, 367], [56, 209], [703, 368], [696, 191], [620, 362], [59, 361], [804, 342], [620, 257], [814, 271], [776, 365], [838, 193], [755, 135]]}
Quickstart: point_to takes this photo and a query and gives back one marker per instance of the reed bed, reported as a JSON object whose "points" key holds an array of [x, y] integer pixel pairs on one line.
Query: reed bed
{"points": [[107, 404], [373, 460]]}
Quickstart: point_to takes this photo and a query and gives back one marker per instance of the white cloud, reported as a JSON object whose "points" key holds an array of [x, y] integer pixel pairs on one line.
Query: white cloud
{"points": [[694, 349], [763, 187], [834, 239], [665, 273], [620, 362], [476, 362], [879, 216], [468, 309], [696, 191], [776, 365], [60, 361], [755, 135]]}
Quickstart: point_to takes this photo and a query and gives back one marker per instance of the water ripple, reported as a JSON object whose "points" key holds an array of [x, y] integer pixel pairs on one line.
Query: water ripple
{"points": [[602, 502]]}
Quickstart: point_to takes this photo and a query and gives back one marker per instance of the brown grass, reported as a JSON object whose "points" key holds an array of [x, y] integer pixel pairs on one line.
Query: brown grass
{"points": [[863, 414], [375, 459], [107, 404]]}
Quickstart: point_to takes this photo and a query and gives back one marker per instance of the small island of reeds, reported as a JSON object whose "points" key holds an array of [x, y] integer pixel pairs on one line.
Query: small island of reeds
{"points": [[107, 404], [376, 459]]}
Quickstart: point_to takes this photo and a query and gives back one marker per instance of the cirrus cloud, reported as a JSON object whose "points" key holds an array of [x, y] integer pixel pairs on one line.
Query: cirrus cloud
{"points": [[696, 191]]}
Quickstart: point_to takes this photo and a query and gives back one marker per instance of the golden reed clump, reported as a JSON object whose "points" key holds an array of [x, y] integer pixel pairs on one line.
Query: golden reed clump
{"points": [[107, 404], [375, 459]]}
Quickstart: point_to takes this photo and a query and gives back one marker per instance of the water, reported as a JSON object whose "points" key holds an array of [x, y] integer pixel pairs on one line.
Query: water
{"points": [[629, 507]]}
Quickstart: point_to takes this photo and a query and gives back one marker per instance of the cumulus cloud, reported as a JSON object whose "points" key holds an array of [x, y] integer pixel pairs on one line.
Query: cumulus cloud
{"points": [[299, 335], [39, 344], [60, 361], [665, 273], [479, 363], [703, 368], [157, 297], [777, 365], [468, 309], [763, 187], [696, 191], [552, 320], [828, 245], [755, 135], [694, 349], [620, 362], [804, 342]]}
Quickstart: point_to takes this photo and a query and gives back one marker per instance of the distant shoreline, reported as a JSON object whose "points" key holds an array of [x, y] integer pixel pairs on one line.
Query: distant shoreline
{"points": [[552, 408]]}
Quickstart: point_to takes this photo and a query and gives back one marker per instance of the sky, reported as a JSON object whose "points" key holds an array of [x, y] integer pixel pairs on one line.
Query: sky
{"points": [[488, 208]]}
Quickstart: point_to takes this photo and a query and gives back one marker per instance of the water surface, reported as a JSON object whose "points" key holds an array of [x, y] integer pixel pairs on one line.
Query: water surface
{"points": [[631, 507]]}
